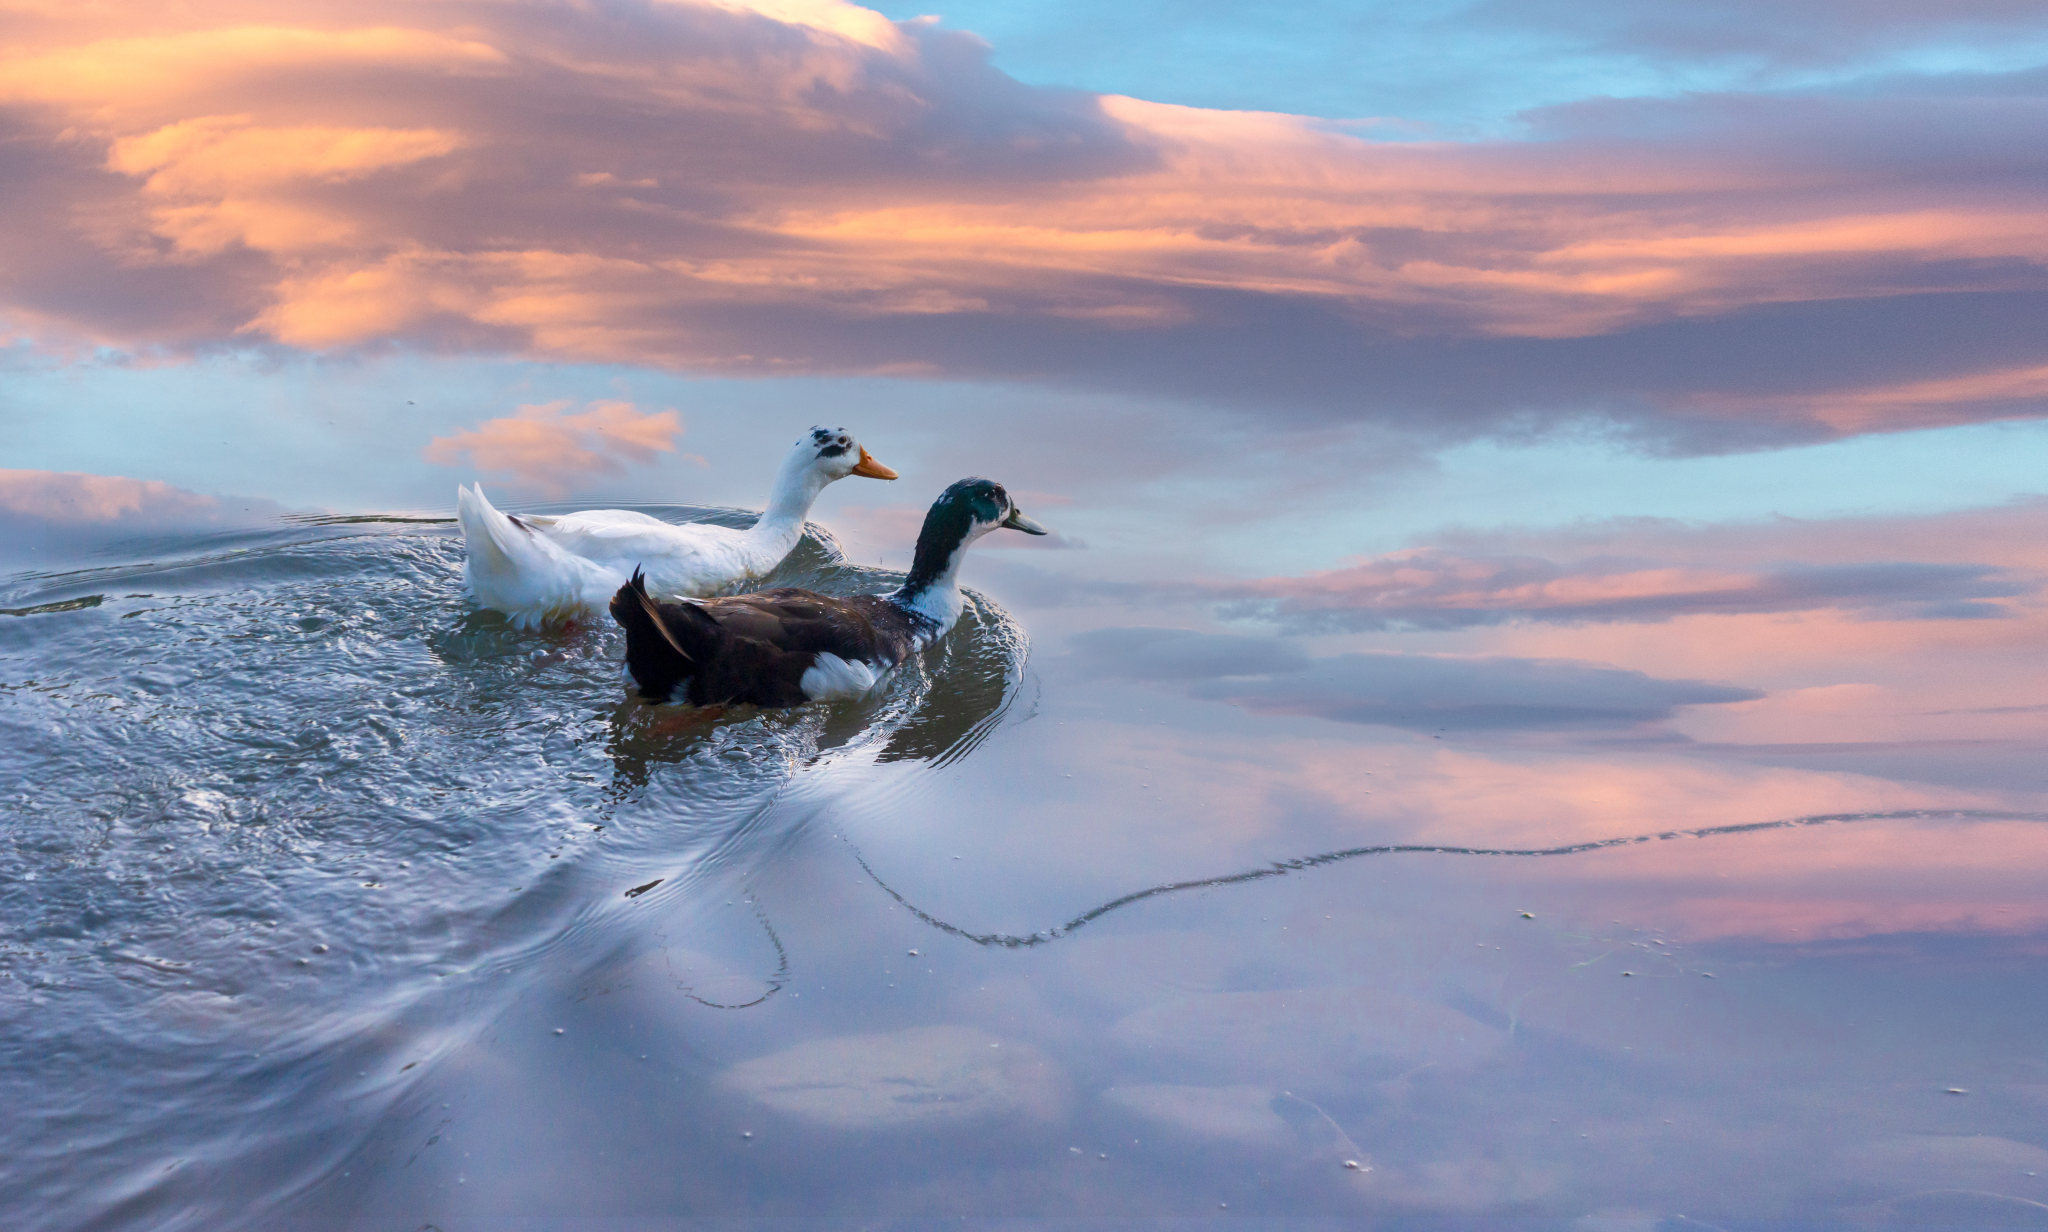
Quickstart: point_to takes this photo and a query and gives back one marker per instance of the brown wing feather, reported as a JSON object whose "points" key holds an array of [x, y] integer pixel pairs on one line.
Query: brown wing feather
{"points": [[653, 610], [754, 672], [800, 621]]}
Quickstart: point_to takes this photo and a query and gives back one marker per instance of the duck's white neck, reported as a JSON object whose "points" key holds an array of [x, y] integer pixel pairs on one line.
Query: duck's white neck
{"points": [[938, 600], [933, 588], [797, 486]]}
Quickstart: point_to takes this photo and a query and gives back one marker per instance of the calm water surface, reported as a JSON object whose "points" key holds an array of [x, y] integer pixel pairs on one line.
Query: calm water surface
{"points": [[328, 903]]}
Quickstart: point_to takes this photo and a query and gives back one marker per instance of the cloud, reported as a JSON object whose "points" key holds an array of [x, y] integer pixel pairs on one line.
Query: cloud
{"points": [[1418, 692], [221, 181], [549, 446], [1775, 37], [1927, 403], [807, 187], [47, 515], [92, 61], [1637, 571], [70, 498], [1435, 589]]}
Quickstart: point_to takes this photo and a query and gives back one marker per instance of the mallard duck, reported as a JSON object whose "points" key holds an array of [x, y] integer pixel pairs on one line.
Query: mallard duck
{"points": [[538, 569], [787, 646]]}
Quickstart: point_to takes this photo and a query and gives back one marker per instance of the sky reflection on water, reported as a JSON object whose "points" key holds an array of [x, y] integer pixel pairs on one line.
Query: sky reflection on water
{"points": [[415, 918], [1609, 1034]]}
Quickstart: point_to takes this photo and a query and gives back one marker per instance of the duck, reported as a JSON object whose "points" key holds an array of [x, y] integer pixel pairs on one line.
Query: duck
{"points": [[785, 647], [544, 570]]}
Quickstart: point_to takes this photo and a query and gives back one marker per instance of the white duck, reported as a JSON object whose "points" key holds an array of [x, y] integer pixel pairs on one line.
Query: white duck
{"points": [[539, 569]]}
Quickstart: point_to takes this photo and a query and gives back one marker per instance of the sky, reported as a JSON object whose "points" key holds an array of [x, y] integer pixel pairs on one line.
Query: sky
{"points": [[1733, 229], [1463, 70], [1688, 362]]}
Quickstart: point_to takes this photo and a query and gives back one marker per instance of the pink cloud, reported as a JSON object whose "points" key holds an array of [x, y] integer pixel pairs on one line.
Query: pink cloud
{"points": [[1835, 677], [1239, 797], [69, 498], [55, 518], [805, 186], [549, 446], [1430, 588], [1913, 641], [1849, 880]]}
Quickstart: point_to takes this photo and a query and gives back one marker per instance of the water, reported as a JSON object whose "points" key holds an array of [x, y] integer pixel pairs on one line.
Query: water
{"points": [[330, 903]]}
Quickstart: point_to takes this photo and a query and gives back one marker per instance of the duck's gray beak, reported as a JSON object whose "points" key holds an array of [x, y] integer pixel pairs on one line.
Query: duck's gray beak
{"points": [[1017, 521]]}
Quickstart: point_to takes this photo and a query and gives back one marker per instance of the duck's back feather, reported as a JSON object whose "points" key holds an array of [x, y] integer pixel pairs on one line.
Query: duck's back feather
{"points": [[771, 648], [537, 568]]}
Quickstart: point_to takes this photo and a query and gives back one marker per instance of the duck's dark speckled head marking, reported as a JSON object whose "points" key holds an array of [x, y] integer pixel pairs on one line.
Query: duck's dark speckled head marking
{"points": [[834, 454], [831, 442]]}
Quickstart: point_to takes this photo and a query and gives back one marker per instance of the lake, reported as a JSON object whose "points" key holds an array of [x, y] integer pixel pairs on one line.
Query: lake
{"points": [[332, 903]]}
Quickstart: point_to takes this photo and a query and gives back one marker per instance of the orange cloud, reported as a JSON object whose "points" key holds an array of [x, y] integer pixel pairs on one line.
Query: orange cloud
{"points": [[847, 21], [548, 446], [804, 186], [210, 154], [225, 179], [113, 76]]}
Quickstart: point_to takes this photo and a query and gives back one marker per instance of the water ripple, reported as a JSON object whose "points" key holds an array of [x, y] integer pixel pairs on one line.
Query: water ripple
{"points": [[267, 794]]}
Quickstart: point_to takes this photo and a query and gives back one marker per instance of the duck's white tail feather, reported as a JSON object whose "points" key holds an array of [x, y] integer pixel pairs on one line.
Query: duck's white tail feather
{"points": [[830, 676], [514, 569]]}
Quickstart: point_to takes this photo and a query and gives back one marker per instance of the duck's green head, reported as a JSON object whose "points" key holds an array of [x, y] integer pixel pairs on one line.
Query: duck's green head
{"points": [[963, 513], [986, 504]]}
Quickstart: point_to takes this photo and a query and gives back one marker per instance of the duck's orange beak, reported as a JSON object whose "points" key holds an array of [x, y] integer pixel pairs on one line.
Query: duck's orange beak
{"points": [[871, 468]]}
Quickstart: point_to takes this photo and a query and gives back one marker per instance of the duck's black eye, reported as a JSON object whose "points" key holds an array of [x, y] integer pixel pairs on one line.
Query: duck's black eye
{"points": [[833, 450]]}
